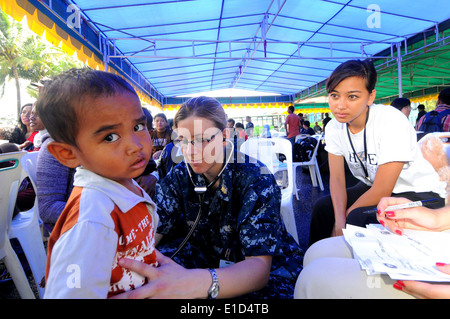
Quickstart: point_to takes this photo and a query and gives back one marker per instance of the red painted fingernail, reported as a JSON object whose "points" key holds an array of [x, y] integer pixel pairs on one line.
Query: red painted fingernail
{"points": [[390, 214], [440, 264], [399, 232], [382, 222], [379, 212], [399, 285]]}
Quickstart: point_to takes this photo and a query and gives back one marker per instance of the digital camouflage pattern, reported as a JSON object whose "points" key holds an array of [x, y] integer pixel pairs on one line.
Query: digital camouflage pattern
{"points": [[240, 218]]}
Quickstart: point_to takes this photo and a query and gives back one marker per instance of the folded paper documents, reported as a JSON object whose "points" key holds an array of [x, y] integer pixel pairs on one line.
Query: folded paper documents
{"points": [[412, 256]]}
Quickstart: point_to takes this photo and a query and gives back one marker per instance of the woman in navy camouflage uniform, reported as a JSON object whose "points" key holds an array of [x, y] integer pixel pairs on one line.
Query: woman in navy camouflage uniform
{"points": [[240, 225]]}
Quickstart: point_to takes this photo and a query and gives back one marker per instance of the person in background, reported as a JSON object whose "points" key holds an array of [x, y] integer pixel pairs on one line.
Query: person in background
{"points": [[161, 136], [442, 108], [147, 180], [325, 121], [302, 119], [149, 117], [249, 127], [241, 131], [22, 132], [306, 129], [230, 124], [422, 112], [317, 129], [37, 125], [292, 124], [403, 105]]}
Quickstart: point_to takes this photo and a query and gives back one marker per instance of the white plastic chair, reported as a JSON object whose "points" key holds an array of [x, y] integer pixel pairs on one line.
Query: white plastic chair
{"points": [[26, 228], [266, 150], [312, 164], [10, 178]]}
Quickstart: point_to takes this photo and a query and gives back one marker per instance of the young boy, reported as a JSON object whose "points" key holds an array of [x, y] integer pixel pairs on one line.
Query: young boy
{"points": [[98, 126]]}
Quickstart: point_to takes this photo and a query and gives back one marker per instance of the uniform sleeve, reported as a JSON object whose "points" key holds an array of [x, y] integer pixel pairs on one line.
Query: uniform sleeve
{"points": [[80, 268], [260, 225], [168, 203]]}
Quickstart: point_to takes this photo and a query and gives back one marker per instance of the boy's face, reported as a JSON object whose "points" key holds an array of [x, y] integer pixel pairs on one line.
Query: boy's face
{"points": [[113, 140]]}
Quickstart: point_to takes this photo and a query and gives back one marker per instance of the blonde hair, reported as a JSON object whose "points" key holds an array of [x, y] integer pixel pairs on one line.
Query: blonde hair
{"points": [[205, 107]]}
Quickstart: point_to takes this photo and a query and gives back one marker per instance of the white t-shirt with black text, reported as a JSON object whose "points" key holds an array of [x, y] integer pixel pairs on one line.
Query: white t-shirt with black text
{"points": [[390, 137]]}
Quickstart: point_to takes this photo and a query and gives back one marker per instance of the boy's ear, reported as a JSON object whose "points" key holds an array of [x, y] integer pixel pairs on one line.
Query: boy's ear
{"points": [[64, 153]]}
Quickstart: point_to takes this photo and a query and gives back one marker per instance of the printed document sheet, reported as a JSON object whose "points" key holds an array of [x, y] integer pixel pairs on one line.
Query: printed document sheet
{"points": [[412, 256]]}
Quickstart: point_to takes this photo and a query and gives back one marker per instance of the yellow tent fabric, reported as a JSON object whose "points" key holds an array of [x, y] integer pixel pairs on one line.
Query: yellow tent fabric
{"points": [[42, 25]]}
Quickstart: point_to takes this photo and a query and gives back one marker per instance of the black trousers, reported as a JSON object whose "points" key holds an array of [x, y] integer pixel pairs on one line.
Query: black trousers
{"points": [[322, 218]]}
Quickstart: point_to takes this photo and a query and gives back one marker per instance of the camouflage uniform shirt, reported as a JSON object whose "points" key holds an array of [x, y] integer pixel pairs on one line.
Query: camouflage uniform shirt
{"points": [[240, 218]]}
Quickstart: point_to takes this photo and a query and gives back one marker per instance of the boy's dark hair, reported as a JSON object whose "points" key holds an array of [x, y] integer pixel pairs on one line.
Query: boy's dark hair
{"points": [[149, 118], [63, 98], [363, 69], [400, 103], [444, 96]]}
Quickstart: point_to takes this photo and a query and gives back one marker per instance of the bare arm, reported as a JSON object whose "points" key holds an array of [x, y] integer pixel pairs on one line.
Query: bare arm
{"points": [[338, 191], [171, 280], [383, 185]]}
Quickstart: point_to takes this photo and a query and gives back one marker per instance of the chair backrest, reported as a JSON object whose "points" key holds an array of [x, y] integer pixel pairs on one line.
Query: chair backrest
{"points": [[10, 178], [301, 136], [266, 151], [284, 146], [261, 149], [318, 137], [29, 164]]}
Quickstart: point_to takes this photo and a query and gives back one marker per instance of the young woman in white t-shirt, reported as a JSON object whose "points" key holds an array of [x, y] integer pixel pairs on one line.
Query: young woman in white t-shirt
{"points": [[380, 148]]}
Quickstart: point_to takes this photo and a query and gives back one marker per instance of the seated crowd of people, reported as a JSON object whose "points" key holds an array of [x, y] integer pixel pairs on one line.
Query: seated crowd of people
{"points": [[151, 207]]}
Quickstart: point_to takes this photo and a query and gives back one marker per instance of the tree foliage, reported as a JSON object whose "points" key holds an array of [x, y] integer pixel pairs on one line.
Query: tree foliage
{"points": [[24, 55]]}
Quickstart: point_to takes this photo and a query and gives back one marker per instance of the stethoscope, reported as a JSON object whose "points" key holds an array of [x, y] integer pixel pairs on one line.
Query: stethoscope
{"points": [[200, 191]]}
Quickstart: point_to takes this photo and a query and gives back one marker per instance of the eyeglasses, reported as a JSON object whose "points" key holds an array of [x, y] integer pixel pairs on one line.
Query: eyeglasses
{"points": [[196, 141]]}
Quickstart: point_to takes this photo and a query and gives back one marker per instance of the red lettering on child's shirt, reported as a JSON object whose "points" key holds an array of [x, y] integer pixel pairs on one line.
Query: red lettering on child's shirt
{"points": [[136, 241]]}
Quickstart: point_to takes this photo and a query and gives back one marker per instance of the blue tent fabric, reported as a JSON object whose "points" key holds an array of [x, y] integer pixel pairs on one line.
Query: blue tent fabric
{"points": [[284, 46]]}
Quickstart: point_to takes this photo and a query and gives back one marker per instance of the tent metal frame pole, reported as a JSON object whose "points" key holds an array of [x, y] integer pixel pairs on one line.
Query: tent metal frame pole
{"points": [[399, 68]]}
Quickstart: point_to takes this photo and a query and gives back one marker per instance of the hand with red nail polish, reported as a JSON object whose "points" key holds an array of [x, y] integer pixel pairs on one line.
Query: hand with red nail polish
{"points": [[426, 290], [417, 218]]}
